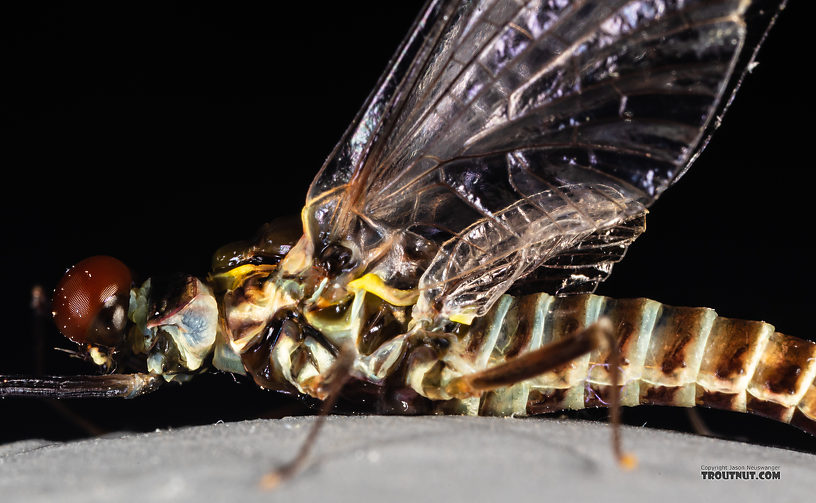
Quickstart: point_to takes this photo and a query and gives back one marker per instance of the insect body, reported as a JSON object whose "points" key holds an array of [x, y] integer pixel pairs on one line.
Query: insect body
{"points": [[510, 147], [670, 356]]}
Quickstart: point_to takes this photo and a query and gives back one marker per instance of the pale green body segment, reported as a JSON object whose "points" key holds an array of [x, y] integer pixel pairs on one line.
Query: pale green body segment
{"points": [[671, 356]]}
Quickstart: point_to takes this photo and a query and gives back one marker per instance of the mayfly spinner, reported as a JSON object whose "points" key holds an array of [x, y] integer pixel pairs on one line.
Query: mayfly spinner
{"points": [[446, 254]]}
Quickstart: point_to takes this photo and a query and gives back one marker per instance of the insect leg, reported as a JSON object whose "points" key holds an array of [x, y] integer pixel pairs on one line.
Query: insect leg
{"points": [[88, 386], [534, 363], [697, 423], [337, 377]]}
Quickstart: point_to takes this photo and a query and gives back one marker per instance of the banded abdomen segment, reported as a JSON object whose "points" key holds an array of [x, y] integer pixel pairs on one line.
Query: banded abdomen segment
{"points": [[675, 356]]}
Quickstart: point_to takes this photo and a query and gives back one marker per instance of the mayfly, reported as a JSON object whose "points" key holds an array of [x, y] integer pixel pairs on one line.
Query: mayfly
{"points": [[509, 150]]}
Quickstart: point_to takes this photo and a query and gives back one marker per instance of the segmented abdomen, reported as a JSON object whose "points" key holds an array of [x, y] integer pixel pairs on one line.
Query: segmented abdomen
{"points": [[677, 356]]}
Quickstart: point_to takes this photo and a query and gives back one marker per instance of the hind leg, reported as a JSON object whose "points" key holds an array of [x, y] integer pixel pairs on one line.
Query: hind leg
{"points": [[534, 363]]}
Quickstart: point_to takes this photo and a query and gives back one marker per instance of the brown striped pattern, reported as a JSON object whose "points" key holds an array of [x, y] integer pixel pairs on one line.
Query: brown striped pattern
{"points": [[675, 356]]}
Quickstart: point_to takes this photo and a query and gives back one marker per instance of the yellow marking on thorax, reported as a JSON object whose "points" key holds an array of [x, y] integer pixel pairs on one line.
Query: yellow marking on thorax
{"points": [[465, 317], [233, 278], [373, 284]]}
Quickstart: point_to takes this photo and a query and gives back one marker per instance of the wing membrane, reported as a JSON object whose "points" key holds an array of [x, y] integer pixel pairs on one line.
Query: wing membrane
{"points": [[525, 135]]}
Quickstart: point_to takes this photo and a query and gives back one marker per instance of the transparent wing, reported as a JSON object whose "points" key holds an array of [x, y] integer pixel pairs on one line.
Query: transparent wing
{"points": [[524, 135]]}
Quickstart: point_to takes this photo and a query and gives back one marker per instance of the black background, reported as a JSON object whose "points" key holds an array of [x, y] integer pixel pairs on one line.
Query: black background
{"points": [[156, 133]]}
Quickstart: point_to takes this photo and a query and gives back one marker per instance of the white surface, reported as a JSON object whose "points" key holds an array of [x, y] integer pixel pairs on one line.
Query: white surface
{"points": [[416, 459]]}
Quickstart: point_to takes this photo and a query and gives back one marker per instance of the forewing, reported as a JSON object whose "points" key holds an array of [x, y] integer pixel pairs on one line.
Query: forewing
{"points": [[528, 134], [336, 191]]}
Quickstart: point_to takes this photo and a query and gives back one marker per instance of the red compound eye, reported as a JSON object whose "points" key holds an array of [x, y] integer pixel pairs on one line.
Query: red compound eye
{"points": [[90, 301]]}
